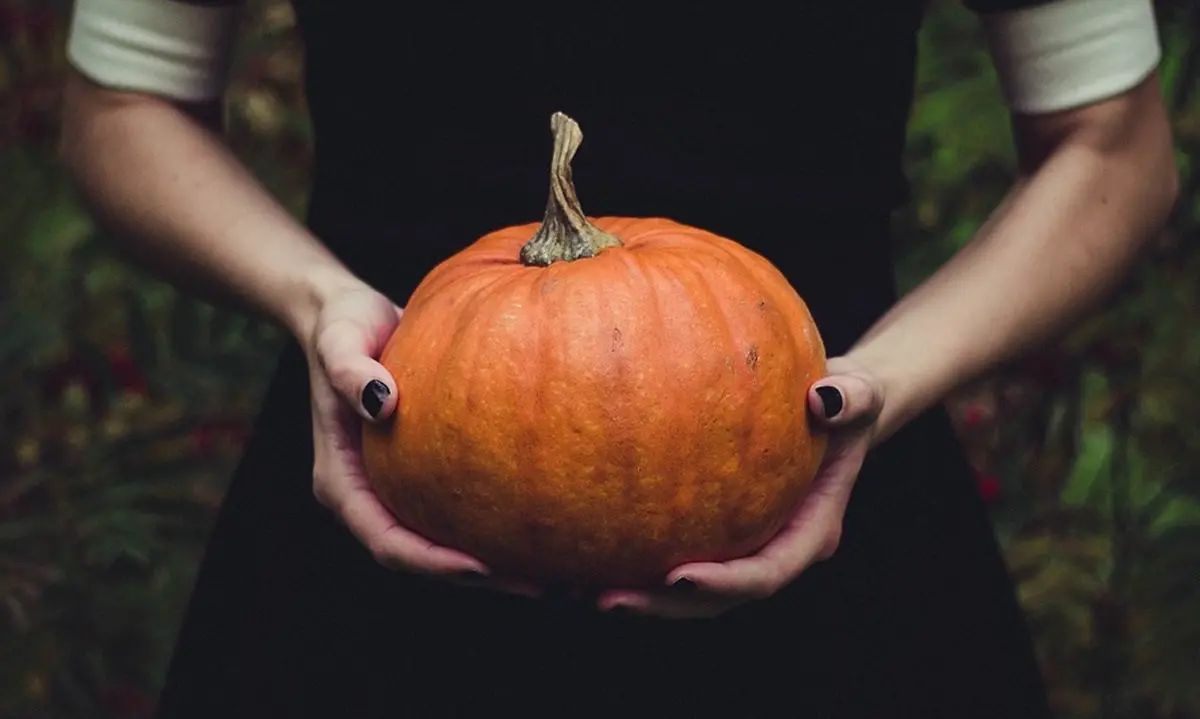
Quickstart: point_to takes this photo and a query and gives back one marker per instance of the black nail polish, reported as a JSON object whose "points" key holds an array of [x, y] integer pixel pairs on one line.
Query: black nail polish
{"points": [[831, 398], [373, 396], [684, 585]]}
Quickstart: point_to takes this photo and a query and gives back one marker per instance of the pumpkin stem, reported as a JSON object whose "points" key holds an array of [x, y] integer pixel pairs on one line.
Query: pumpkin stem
{"points": [[565, 233]]}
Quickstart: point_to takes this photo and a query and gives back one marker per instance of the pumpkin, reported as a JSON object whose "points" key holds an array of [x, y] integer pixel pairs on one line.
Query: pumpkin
{"points": [[592, 402]]}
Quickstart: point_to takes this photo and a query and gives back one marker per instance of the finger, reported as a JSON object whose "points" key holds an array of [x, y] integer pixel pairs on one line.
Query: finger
{"points": [[792, 551], [841, 400], [396, 547], [346, 350], [812, 535]]}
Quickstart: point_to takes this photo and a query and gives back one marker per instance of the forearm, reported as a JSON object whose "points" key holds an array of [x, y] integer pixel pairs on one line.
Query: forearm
{"points": [[175, 199], [1058, 245]]}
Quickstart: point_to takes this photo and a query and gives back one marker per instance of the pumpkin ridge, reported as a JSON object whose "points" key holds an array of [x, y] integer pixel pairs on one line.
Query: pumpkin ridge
{"points": [[451, 281], [750, 410], [599, 423], [680, 234], [728, 330], [468, 319]]}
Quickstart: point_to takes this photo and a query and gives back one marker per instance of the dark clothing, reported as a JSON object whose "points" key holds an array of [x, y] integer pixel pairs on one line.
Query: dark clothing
{"points": [[783, 132]]}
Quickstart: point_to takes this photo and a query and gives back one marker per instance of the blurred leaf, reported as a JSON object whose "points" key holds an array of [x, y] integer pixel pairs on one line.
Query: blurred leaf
{"points": [[107, 486]]}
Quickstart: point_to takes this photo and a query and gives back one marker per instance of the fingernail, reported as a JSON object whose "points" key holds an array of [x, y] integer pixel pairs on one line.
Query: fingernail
{"points": [[831, 399], [373, 396], [685, 585]]}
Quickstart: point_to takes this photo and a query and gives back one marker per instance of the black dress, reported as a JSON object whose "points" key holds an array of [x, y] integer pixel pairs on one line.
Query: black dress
{"points": [[781, 129]]}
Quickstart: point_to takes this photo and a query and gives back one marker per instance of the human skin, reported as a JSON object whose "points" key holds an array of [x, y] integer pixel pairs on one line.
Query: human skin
{"points": [[1097, 183]]}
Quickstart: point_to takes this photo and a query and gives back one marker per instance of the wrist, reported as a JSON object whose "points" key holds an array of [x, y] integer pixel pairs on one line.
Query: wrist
{"points": [[309, 293], [907, 390]]}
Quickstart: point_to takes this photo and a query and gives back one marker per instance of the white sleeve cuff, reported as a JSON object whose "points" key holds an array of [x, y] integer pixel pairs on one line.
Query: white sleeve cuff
{"points": [[161, 47], [1069, 53]]}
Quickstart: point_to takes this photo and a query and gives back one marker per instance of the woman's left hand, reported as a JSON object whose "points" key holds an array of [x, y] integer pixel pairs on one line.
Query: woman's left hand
{"points": [[847, 402]]}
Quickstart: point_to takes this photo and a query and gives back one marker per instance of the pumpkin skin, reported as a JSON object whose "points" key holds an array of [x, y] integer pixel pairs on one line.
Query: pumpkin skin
{"points": [[600, 421]]}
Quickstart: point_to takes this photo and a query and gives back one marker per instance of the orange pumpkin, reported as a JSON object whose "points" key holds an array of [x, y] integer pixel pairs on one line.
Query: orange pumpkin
{"points": [[593, 402]]}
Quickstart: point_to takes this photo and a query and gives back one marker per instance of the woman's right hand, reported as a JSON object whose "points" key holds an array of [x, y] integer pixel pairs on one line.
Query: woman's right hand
{"points": [[349, 386]]}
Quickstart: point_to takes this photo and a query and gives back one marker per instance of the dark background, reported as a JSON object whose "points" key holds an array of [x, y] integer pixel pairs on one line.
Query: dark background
{"points": [[124, 404]]}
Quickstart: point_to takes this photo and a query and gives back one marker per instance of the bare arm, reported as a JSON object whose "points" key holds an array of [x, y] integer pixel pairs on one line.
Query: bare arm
{"points": [[1100, 183], [140, 142], [180, 202]]}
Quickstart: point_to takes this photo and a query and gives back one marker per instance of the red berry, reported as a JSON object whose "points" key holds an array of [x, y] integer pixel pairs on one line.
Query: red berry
{"points": [[974, 415], [125, 372], [988, 487]]}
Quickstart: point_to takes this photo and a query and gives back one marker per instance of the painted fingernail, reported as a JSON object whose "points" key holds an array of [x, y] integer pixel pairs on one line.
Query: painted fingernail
{"points": [[683, 584], [373, 396], [831, 400]]}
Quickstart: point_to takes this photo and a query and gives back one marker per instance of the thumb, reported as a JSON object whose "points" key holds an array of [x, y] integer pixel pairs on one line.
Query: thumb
{"points": [[345, 354], [845, 399]]}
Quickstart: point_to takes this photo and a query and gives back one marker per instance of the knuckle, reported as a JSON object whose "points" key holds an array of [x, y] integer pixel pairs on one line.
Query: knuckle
{"points": [[773, 583], [325, 344], [321, 489], [331, 335], [342, 376], [833, 540], [384, 553], [761, 590], [340, 336], [325, 491], [766, 585]]}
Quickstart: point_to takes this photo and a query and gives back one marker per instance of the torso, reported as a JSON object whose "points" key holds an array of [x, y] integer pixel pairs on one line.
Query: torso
{"points": [[743, 122], [783, 132]]}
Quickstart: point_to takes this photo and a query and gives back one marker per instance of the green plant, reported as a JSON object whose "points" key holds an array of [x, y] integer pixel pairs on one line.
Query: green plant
{"points": [[124, 403], [1092, 442]]}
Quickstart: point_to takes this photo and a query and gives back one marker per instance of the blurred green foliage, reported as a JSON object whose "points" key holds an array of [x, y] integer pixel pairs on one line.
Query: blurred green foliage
{"points": [[125, 403]]}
